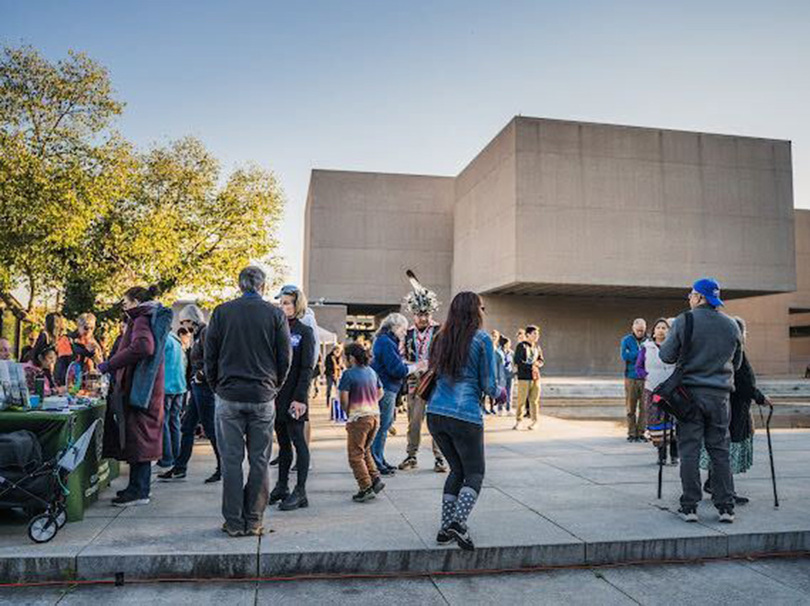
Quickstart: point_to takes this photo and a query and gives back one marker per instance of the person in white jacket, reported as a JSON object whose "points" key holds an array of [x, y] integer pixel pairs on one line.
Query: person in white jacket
{"points": [[654, 371]]}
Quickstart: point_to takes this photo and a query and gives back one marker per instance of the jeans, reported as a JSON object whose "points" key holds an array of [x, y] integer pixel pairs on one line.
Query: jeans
{"points": [[359, 436], [173, 404], [462, 444], [290, 433], [200, 410], [387, 403], [245, 426], [709, 427], [140, 476]]}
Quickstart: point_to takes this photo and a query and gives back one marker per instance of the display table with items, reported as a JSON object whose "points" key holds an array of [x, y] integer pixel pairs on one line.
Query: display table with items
{"points": [[65, 426]]}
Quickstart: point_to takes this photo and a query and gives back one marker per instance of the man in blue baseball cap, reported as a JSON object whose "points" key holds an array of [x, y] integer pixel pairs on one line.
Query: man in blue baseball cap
{"points": [[710, 358]]}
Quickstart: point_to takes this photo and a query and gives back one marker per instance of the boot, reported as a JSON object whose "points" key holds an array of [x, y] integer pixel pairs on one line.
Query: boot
{"points": [[296, 499], [279, 493]]}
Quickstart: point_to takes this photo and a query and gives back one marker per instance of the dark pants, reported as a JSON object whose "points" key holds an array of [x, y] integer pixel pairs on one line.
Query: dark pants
{"points": [[462, 444], [290, 433], [710, 428], [330, 383], [140, 475], [200, 409], [672, 442]]}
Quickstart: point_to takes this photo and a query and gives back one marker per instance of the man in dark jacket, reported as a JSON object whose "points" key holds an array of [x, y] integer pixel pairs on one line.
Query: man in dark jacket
{"points": [[713, 354], [247, 357], [528, 360]]}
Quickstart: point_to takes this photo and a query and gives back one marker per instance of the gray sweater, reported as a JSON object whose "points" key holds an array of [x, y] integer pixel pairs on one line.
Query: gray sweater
{"points": [[714, 353]]}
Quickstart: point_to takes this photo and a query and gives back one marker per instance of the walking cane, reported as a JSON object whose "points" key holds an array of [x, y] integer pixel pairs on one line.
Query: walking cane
{"points": [[770, 447], [661, 461]]}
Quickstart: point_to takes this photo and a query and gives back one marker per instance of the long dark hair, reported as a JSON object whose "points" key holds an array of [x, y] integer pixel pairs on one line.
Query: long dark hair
{"points": [[448, 353]]}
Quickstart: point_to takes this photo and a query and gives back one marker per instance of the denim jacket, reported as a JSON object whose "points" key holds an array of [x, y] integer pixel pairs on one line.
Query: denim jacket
{"points": [[461, 398]]}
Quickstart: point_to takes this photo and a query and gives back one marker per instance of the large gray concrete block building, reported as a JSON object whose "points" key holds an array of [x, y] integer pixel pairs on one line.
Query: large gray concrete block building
{"points": [[578, 228]]}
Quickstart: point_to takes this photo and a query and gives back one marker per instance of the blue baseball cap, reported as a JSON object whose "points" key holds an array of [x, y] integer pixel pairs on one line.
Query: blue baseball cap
{"points": [[709, 288]]}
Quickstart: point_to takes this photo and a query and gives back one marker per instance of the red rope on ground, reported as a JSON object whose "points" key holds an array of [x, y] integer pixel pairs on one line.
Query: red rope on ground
{"points": [[406, 575]]}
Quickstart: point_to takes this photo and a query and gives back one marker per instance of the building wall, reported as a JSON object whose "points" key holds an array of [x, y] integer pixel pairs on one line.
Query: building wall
{"points": [[484, 242], [617, 205], [364, 230], [579, 335], [332, 318]]}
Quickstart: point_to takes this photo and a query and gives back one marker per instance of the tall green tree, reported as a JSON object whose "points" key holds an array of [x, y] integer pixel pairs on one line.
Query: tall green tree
{"points": [[85, 214], [59, 161]]}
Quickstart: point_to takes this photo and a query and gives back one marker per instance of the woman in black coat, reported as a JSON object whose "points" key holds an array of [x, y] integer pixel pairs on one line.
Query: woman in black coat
{"points": [[292, 410]]}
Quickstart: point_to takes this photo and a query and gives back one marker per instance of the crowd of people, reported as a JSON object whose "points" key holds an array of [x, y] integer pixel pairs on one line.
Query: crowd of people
{"points": [[248, 372], [717, 434]]}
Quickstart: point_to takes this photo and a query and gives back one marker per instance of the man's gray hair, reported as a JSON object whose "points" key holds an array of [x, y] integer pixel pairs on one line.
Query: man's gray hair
{"points": [[392, 321], [252, 279]]}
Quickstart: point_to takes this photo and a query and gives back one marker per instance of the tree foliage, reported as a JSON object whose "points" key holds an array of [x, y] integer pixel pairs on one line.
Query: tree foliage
{"points": [[85, 213]]}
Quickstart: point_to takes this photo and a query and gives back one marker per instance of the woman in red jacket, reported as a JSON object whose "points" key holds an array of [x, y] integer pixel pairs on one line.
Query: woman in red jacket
{"points": [[143, 426]]}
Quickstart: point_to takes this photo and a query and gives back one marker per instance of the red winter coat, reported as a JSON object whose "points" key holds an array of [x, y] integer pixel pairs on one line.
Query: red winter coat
{"points": [[144, 428]]}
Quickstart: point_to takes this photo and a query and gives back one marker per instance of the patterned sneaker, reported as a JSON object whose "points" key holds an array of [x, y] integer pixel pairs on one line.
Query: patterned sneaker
{"points": [[409, 463], [461, 536], [443, 537]]}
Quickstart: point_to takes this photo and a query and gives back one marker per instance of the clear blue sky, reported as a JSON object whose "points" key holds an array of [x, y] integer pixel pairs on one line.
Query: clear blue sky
{"points": [[421, 86]]}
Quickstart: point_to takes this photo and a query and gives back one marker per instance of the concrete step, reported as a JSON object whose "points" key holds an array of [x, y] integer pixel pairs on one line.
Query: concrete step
{"points": [[584, 388]]}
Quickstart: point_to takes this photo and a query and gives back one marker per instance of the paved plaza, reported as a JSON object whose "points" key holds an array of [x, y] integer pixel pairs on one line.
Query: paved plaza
{"points": [[574, 493]]}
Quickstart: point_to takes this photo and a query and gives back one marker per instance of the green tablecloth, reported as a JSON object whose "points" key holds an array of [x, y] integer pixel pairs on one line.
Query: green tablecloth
{"points": [[52, 428]]}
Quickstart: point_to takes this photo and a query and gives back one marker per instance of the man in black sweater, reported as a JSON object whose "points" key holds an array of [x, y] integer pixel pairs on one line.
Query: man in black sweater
{"points": [[247, 357], [528, 360]]}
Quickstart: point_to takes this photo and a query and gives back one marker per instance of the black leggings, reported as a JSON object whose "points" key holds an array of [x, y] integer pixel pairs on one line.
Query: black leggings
{"points": [[462, 444], [291, 433]]}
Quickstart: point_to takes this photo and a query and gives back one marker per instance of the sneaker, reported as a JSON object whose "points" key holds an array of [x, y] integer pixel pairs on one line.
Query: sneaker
{"points": [[232, 532], [439, 466], [461, 535], [214, 477], [297, 499], [126, 500], [172, 475], [377, 485], [726, 515], [387, 471], [532, 425], [409, 463], [279, 493], [674, 461], [274, 462], [688, 514], [256, 531], [631, 439], [364, 495], [443, 537], [392, 430], [517, 426], [738, 500]]}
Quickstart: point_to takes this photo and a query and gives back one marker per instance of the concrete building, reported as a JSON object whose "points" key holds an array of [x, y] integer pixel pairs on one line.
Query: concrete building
{"points": [[579, 228]]}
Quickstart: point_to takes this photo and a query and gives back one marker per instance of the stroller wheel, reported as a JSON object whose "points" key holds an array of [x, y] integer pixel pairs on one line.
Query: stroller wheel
{"points": [[60, 514], [42, 528]]}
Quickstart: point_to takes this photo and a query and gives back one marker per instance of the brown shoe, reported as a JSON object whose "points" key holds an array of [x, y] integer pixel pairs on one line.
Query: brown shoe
{"points": [[256, 531]]}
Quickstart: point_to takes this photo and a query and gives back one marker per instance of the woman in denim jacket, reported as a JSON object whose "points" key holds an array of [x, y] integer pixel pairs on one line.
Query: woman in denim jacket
{"points": [[463, 358]]}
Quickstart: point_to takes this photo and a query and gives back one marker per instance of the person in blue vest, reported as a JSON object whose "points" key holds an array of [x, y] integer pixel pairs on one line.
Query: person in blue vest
{"points": [[633, 384], [175, 388]]}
